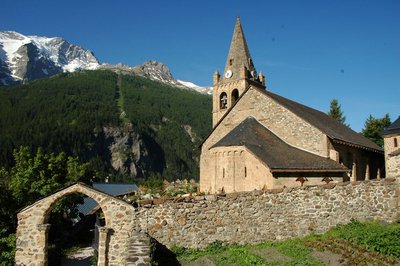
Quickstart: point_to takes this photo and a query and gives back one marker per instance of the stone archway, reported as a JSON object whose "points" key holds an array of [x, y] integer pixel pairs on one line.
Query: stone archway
{"points": [[32, 230]]}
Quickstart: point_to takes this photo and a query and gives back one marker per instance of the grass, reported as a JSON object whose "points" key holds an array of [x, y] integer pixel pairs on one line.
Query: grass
{"points": [[355, 243]]}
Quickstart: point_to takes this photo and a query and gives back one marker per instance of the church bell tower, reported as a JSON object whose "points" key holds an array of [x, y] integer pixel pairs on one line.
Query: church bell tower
{"points": [[239, 74]]}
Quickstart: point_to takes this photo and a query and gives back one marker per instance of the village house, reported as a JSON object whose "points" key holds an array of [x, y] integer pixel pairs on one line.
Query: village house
{"points": [[261, 140]]}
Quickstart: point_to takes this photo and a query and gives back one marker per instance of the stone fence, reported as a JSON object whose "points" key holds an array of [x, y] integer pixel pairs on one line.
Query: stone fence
{"points": [[259, 216], [249, 217]]}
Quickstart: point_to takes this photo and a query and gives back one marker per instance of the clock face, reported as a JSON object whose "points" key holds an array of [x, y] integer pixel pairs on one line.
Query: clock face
{"points": [[228, 74]]}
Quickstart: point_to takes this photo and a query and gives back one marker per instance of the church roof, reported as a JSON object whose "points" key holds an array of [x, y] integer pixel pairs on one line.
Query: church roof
{"points": [[274, 152], [393, 128], [239, 54], [335, 130]]}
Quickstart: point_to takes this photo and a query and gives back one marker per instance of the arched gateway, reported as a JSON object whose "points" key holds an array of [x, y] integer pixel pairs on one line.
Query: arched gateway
{"points": [[32, 230]]}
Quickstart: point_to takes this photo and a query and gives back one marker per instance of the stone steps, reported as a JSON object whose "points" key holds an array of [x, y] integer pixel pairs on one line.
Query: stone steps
{"points": [[138, 250]]}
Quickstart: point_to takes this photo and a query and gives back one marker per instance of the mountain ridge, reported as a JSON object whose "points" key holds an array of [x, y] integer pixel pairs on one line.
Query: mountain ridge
{"points": [[156, 71], [26, 58]]}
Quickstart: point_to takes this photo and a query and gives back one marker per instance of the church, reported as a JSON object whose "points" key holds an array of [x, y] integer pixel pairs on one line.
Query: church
{"points": [[261, 140]]}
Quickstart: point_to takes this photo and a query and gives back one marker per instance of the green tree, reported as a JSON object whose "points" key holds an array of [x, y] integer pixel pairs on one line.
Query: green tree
{"points": [[336, 112], [7, 248], [7, 224], [36, 176], [373, 128], [33, 176]]}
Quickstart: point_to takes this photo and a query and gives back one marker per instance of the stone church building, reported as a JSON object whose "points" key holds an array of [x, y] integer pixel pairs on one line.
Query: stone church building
{"points": [[261, 140]]}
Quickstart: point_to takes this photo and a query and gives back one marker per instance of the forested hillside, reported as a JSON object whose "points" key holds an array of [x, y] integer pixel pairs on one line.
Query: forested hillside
{"points": [[177, 120], [71, 113]]}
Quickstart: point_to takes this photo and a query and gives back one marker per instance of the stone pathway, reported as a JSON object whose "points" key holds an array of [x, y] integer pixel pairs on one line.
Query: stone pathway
{"points": [[80, 258], [139, 250]]}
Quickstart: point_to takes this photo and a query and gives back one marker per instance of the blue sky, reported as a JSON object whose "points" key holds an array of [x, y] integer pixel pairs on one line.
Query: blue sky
{"points": [[310, 51]]}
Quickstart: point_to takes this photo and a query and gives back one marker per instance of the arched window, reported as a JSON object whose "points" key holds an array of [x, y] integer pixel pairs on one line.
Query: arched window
{"points": [[395, 142], [223, 101], [235, 96]]}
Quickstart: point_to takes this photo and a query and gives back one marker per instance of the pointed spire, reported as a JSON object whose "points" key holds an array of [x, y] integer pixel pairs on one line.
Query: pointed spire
{"points": [[239, 56]]}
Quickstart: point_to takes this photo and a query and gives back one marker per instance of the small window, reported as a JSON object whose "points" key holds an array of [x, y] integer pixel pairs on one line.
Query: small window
{"points": [[230, 62], [223, 172], [235, 96], [245, 171], [223, 101], [395, 142]]}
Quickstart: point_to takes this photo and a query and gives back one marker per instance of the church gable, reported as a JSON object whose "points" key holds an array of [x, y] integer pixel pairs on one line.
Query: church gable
{"points": [[278, 119]]}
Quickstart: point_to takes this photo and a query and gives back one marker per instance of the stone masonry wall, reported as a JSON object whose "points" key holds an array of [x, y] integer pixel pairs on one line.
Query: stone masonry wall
{"points": [[392, 160], [393, 166], [258, 216], [236, 169]]}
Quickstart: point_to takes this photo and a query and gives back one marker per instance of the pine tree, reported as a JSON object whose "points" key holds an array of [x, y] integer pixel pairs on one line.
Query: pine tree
{"points": [[336, 112], [373, 128]]}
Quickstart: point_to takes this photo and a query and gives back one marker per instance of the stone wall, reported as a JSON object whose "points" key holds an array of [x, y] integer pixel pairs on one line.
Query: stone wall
{"points": [[392, 155], [258, 216], [393, 166], [236, 169]]}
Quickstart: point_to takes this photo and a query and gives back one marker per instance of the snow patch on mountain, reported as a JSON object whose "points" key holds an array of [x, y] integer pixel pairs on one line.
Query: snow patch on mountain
{"points": [[190, 85], [30, 57]]}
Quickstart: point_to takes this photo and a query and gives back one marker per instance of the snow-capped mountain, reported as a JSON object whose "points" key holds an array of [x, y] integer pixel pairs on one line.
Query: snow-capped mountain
{"points": [[24, 58], [156, 71]]}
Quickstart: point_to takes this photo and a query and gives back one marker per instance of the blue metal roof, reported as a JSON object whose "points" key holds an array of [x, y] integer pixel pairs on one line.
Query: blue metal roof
{"points": [[113, 189]]}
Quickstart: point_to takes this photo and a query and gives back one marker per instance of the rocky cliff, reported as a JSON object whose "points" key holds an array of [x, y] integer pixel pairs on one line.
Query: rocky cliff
{"points": [[128, 152]]}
